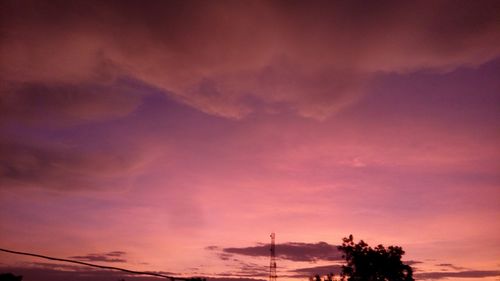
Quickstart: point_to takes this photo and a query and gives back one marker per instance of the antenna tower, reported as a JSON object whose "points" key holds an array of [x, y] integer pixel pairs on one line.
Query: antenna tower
{"points": [[272, 265]]}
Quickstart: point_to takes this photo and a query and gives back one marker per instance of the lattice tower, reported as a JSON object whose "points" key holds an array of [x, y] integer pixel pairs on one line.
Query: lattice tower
{"points": [[272, 264]]}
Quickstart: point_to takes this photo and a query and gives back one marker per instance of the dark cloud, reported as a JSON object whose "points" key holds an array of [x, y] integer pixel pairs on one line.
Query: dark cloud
{"points": [[458, 274], [412, 262], [66, 158], [103, 257], [293, 251], [224, 256], [234, 279], [246, 269], [116, 254], [312, 57], [243, 274], [450, 266], [63, 104], [321, 270], [48, 274], [55, 266], [61, 166], [57, 272], [336, 269], [242, 269]]}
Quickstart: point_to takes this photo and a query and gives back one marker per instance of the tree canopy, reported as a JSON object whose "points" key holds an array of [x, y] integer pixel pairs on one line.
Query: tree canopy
{"points": [[373, 264]]}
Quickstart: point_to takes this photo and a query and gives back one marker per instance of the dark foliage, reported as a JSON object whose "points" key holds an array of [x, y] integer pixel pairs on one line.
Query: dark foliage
{"points": [[365, 263], [10, 277]]}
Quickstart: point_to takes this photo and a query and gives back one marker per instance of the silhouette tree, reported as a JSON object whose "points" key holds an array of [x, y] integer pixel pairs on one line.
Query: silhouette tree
{"points": [[373, 264], [329, 277], [10, 277]]}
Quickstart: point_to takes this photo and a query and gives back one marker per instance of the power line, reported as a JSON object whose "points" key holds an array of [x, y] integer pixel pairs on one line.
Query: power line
{"points": [[172, 278]]}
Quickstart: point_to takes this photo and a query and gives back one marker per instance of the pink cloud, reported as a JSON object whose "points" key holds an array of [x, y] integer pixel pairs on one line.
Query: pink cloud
{"points": [[314, 59]]}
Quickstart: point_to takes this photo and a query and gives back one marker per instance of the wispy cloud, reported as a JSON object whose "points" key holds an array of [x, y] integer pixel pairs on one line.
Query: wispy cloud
{"points": [[115, 256], [321, 270], [412, 262], [246, 269], [450, 266], [458, 274]]}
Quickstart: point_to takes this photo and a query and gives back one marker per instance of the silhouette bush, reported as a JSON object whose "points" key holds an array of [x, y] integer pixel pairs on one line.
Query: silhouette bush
{"points": [[10, 277]]}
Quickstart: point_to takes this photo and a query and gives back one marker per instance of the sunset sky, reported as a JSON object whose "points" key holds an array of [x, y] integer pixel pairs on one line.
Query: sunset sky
{"points": [[175, 136]]}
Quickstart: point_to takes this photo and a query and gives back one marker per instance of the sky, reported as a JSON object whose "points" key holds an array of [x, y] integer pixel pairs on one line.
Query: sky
{"points": [[175, 136]]}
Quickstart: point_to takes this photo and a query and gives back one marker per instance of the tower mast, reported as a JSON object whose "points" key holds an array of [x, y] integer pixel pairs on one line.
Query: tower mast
{"points": [[272, 265]]}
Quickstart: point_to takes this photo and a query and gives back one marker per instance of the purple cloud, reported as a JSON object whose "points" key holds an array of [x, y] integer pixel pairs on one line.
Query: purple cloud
{"points": [[449, 265], [116, 254], [458, 274], [82, 274], [79, 45], [62, 272], [55, 165], [103, 257], [321, 270], [65, 104], [294, 251]]}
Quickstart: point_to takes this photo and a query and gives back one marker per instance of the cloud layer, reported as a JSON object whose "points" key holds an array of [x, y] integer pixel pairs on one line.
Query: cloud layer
{"points": [[64, 104], [232, 58], [57, 272], [293, 251], [61, 166], [115, 257], [458, 274], [320, 270]]}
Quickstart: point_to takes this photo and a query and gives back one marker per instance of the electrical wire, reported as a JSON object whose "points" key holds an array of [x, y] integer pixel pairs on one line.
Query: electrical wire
{"points": [[172, 278]]}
